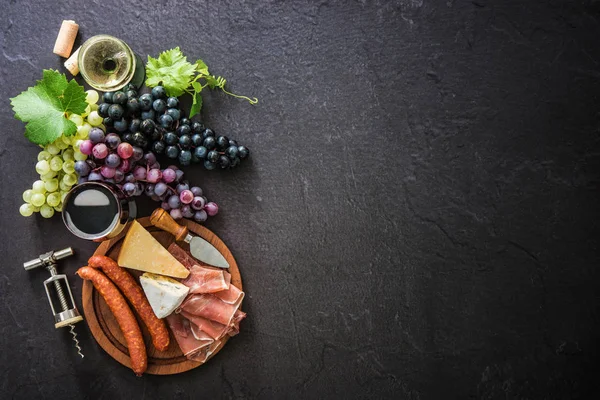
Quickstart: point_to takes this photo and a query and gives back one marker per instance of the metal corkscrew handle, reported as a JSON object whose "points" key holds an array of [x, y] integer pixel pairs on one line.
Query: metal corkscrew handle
{"points": [[68, 314]]}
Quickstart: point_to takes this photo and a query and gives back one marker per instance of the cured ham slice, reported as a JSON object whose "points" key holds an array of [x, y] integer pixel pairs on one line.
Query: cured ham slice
{"points": [[207, 280], [232, 295], [210, 307], [191, 346], [212, 328], [235, 326], [206, 353]]}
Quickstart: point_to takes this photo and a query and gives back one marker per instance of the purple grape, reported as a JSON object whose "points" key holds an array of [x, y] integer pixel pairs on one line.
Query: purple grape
{"points": [[94, 176], [96, 135], [156, 165], [125, 150], [112, 141], [174, 201], [107, 171], [86, 147], [139, 173], [186, 196], [100, 151], [129, 189], [82, 168], [82, 179], [150, 158], [211, 209], [187, 211], [138, 153], [173, 167], [139, 188], [176, 213], [130, 178], [198, 203], [154, 175], [169, 175], [112, 160], [179, 175], [181, 187], [160, 188], [165, 206], [149, 190], [119, 176], [200, 216], [196, 190], [125, 166]]}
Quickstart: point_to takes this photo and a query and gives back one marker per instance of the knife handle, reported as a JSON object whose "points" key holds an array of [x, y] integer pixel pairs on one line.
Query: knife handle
{"points": [[161, 219]]}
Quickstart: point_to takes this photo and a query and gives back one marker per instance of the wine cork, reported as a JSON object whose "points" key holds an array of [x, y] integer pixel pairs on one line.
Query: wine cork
{"points": [[72, 64], [66, 38]]}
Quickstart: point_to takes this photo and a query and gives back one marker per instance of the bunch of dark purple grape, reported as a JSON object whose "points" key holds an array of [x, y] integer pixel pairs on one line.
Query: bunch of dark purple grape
{"points": [[153, 121]]}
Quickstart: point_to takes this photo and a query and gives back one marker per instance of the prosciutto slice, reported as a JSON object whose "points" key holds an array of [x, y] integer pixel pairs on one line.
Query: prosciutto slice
{"points": [[207, 280], [212, 328], [232, 295], [193, 347], [210, 307]]}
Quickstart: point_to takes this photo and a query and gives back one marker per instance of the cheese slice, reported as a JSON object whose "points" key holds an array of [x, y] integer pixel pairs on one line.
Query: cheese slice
{"points": [[164, 294], [142, 252]]}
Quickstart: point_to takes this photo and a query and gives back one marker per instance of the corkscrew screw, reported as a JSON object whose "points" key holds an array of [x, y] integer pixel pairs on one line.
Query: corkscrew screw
{"points": [[56, 286]]}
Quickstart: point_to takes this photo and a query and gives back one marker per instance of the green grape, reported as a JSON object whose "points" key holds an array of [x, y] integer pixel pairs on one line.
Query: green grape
{"points": [[91, 96], [58, 208], [27, 195], [76, 119], [44, 155], [53, 199], [64, 186], [67, 155], [67, 140], [77, 143], [52, 149], [83, 131], [51, 185], [38, 199], [69, 166], [94, 119], [38, 187], [79, 156], [36, 209], [42, 167], [46, 211], [101, 126], [49, 175], [56, 163], [70, 179], [26, 210], [61, 144], [87, 111], [94, 107]]}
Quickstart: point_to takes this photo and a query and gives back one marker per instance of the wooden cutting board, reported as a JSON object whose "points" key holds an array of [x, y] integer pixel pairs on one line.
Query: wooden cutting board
{"points": [[104, 327]]}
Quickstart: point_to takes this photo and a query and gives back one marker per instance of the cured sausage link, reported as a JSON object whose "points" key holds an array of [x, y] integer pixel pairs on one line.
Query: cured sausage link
{"points": [[134, 293], [123, 314]]}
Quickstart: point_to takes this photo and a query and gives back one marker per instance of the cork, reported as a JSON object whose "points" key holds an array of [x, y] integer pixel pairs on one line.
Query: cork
{"points": [[66, 38], [72, 63]]}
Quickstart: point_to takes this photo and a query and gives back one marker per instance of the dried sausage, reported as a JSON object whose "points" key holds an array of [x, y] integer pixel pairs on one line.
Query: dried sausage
{"points": [[133, 291], [123, 314]]}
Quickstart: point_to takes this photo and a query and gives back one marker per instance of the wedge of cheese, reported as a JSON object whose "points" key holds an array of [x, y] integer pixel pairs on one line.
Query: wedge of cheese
{"points": [[164, 294], [142, 252]]}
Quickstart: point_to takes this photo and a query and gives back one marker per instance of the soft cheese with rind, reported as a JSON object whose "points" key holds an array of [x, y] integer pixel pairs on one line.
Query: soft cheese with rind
{"points": [[143, 252], [164, 294]]}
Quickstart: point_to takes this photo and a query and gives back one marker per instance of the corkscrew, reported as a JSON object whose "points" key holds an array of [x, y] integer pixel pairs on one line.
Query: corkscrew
{"points": [[58, 285]]}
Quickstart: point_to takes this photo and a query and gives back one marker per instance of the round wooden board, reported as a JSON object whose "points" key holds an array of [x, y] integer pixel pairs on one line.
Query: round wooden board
{"points": [[104, 327]]}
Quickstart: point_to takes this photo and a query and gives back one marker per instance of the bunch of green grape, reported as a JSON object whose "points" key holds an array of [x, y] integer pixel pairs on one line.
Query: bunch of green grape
{"points": [[56, 164]]}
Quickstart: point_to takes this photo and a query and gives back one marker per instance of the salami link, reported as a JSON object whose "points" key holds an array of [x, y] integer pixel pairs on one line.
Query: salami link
{"points": [[123, 314], [134, 293]]}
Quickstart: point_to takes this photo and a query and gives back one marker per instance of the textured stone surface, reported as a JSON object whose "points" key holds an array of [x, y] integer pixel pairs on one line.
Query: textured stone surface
{"points": [[419, 219]]}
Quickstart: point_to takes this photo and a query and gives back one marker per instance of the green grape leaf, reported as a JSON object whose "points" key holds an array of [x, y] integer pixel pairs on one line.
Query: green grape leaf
{"points": [[43, 107], [201, 67], [172, 70], [197, 99]]}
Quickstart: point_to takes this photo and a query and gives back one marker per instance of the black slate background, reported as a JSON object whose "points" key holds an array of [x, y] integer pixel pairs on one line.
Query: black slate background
{"points": [[419, 219]]}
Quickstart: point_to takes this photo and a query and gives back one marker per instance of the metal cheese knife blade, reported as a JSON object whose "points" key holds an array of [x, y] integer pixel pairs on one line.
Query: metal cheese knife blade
{"points": [[200, 248]]}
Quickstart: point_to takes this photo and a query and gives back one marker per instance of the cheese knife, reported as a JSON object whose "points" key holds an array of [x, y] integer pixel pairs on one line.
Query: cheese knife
{"points": [[200, 248]]}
